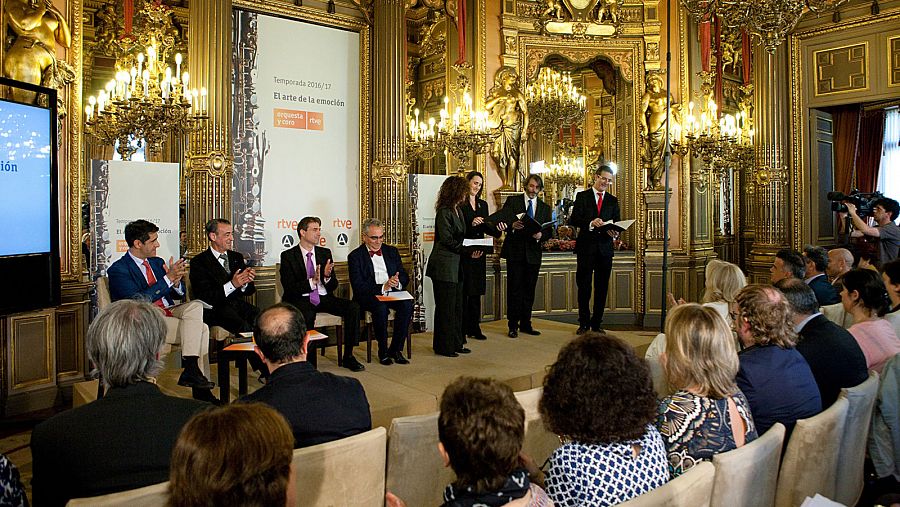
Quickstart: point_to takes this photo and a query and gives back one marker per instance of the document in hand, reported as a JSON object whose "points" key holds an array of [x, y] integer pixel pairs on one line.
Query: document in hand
{"points": [[621, 225], [397, 295], [501, 216], [532, 226], [486, 245]]}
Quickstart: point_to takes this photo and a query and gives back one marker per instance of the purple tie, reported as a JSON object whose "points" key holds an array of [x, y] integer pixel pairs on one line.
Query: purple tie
{"points": [[310, 273]]}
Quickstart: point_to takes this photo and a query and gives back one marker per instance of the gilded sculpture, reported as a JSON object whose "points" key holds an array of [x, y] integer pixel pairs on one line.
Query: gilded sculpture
{"points": [[653, 128], [34, 28], [509, 114]]}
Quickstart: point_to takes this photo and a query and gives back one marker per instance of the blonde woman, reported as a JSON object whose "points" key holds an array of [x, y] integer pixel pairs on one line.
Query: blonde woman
{"points": [[707, 414]]}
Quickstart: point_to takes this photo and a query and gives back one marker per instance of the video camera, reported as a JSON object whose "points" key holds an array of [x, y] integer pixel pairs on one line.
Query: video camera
{"points": [[864, 201]]}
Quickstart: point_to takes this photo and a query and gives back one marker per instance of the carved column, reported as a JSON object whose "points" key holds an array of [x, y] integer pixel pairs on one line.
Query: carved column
{"points": [[208, 160], [390, 199], [769, 193]]}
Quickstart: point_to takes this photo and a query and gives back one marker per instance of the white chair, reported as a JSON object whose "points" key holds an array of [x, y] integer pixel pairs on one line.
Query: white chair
{"points": [[149, 496], [852, 452], [539, 443], [747, 476], [690, 489], [884, 438], [415, 471], [836, 313], [810, 461], [349, 471]]}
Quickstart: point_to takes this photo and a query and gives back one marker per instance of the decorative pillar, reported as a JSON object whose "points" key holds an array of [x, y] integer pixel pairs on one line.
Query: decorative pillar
{"points": [[208, 159], [390, 199], [769, 193]]}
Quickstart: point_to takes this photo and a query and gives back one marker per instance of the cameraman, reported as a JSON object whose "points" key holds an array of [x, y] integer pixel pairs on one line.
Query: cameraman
{"points": [[884, 211]]}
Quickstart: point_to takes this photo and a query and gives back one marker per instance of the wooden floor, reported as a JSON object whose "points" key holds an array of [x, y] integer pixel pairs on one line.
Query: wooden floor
{"points": [[401, 390]]}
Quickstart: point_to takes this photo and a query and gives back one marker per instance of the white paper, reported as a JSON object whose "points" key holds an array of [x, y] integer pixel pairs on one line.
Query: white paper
{"points": [[820, 501], [478, 242], [624, 224], [400, 295]]}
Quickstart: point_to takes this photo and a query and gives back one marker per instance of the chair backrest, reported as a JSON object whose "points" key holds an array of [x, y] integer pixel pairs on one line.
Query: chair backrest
{"points": [[349, 471], [852, 452], [690, 489], [746, 477], [415, 471], [103, 297], [539, 443], [149, 496], [836, 313], [884, 438], [810, 461]]}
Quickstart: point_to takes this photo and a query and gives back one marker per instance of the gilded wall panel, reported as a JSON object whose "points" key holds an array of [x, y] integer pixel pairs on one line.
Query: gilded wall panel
{"points": [[842, 69], [893, 44]]}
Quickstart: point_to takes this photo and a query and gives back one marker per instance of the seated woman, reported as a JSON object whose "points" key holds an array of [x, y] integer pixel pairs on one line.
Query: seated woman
{"points": [[235, 455], [708, 414], [891, 278], [598, 397], [864, 296]]}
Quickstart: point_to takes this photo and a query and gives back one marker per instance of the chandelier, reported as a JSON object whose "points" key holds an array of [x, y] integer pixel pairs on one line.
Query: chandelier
{"points": [[553, 102], [147, 101], [566, 172], [463, 132]]}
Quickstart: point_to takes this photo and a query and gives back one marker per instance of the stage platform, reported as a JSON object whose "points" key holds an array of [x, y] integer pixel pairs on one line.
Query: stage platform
{"points": [[414, 389]]}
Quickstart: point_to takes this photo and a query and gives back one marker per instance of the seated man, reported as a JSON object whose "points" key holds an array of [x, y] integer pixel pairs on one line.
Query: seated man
{"points": [[140, 274], [840, 260], [816, 259], [220, 277], [123, 440], [787, 264], [320, 407], [309, 281], [376, 270]]}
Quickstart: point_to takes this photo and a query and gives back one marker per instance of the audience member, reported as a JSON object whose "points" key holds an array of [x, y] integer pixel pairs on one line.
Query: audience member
{"points": [[320, 407], [239, 454], [816, 264], [599, 397], [833, 355], [12, 493], [707, 414], [891, 279], [869, 260], [773, 376], [787, 264], [840, 260], [123, 440], [865, 297], [884, 212]]}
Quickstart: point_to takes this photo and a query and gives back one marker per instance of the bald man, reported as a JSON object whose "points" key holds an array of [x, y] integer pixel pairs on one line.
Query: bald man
{"points": [[840, 260]]}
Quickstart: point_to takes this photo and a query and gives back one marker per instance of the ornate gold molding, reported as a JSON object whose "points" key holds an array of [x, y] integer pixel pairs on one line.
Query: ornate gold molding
{"points": [[825, 59]]}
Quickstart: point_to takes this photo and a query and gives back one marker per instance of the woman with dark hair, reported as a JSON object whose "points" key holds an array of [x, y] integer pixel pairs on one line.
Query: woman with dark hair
{"points": [[251, 469], [445, 269], [865, 298], [474, 211], [598, 397], [891, 278]]}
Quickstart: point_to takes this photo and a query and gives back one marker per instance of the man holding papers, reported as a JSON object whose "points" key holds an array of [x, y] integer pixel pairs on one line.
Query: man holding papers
{"points": [[376, 270], [522, 251], [595, 209]]}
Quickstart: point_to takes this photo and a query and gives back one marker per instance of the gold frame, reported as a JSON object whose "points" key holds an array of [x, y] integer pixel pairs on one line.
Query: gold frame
{"points": [[341, 22], [72, 146], [889, 62], [815, 54]]}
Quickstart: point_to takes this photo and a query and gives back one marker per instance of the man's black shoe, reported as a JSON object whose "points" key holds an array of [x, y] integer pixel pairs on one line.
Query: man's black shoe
{"points": [[195, 380], [399, 359], [531, 331], [581, 330], [385, 360], [452, 354], [352, 364], [513, 333], [463, 350], [207, 396], [479, 336]]}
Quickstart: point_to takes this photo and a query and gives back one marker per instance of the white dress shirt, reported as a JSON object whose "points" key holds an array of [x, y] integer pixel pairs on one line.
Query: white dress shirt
{"points": [[229, 287], [381, 273], [312, 281]]}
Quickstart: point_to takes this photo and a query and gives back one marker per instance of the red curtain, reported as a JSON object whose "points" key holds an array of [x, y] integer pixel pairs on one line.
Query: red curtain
{"points": [[846, 133], [868, 158]]}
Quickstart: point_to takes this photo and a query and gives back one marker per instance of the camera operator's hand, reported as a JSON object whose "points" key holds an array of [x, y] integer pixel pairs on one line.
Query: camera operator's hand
{"points": [[851, 208]]}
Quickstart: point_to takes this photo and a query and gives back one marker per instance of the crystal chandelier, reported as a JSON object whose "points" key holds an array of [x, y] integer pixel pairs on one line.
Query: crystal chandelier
{"points": [[566, 173], [463, 132], [553, 102], [147, 101]]}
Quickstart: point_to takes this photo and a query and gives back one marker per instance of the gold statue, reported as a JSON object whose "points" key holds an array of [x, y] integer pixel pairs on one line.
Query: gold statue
{"points": [[653, 129], [609, 9], [554, 10], [509, 113], [36, 26]]}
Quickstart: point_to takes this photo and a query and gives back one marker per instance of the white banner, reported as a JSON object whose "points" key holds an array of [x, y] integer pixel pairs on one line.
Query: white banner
{"points": [[423, 193], [123, 191], [296, 126]]}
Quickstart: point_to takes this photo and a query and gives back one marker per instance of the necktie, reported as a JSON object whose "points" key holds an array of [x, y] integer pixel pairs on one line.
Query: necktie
{"points": [[151, 281], [223, 260], [530, 209], [310, 273], [373, 253], [599, 202]]}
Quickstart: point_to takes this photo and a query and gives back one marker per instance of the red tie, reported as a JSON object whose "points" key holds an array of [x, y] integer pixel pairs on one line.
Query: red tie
{"points": [[599, 202], [151, 281], [373, 253]]}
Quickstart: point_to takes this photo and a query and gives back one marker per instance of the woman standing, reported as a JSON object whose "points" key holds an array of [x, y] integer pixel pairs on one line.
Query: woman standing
{"points": [[474, 211], [445, 270]]}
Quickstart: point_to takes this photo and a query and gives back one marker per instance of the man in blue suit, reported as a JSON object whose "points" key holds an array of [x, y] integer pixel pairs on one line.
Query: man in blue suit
{"points": [[140, 274], [376, 270]]}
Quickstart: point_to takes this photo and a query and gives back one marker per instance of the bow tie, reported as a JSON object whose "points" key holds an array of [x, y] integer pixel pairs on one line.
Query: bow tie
{"points": [[373, 253]]}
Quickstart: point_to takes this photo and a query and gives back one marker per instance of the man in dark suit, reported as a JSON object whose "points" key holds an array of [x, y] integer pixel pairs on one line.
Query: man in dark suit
{"points": [[523, 255], [833, 354], [123, 440], [816, 264], [320, 407], [140, 274], [220, 277], [376, 270], [787, 264], [309, 281], [594, 208]]}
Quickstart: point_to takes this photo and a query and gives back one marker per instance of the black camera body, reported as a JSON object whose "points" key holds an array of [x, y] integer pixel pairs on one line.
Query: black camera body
{"points": [[864, 201]]}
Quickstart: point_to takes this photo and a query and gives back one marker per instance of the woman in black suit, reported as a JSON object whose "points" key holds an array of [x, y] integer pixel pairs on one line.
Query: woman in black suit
{"points": [[445, 270], [474, 211]]}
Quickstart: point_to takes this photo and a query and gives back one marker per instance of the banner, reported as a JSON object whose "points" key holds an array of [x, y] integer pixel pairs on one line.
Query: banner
{"points": [[296, 128], [423, 190], [123, 191]]}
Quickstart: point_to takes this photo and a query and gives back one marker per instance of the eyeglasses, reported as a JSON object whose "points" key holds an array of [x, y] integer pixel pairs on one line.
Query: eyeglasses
{"points": [[376, 238], [604, 178]]}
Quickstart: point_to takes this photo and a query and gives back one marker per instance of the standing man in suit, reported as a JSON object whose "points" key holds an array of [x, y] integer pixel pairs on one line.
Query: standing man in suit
{"points": [[816, 264], [594, 208], [309, 281], [523, 255], [376, 270], [220, 277], [140, 274]]}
